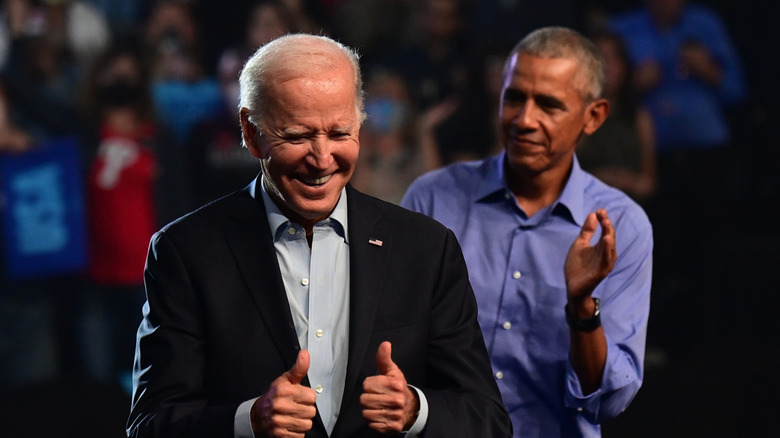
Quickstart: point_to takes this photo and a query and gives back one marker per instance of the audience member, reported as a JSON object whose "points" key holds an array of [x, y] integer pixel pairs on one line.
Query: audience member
{"points": [[183, 92], [40, 83], [40, 72], [444, 76], [127, 183], [218, 164], [23, 309], [123, 17], [289, 288], [498, 23], [12, 139], [689, 77], [622, 152], [564, 323], [375, 26], [86, 30], [463, 127], [309, 16], [391, 157], [687, 71], [435, 59]]}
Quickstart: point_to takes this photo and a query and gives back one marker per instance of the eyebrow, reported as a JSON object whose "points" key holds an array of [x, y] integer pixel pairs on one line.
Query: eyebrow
{"points": [[298, 132], [343, 129], [295, 132], [543, 99], [551, 101]]}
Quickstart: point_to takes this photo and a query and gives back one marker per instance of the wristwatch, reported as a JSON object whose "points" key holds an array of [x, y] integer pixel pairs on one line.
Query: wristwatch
{"points": [[584, 325]]}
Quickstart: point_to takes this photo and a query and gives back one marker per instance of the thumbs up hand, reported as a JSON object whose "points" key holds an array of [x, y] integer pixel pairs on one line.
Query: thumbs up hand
{"points": [[287, 409], [389, 405]]}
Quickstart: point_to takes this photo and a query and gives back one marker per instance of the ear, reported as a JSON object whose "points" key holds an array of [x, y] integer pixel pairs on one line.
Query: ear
{"points": [[249, 133], [595, 114]]}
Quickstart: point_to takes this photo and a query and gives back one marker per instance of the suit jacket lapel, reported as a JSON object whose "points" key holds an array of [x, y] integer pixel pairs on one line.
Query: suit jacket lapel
{"points": [[368, 262], [251, 242]]}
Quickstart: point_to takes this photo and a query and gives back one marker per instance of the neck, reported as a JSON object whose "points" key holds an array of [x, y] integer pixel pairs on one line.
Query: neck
{"points": [[536, 190]]}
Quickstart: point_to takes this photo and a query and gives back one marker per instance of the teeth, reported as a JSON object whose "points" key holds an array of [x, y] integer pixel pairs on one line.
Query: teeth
{"points": [[316, 181]]}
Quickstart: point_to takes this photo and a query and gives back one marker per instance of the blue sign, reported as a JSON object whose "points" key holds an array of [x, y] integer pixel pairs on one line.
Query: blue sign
{"points": [[43, 218]]}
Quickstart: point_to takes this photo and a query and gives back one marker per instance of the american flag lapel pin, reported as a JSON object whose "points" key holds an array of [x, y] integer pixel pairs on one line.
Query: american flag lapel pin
{"points": [[376, 242]]}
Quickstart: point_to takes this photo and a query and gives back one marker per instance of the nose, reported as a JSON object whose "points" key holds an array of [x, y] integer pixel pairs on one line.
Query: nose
{"points": [[526, 116], [321, 153]]}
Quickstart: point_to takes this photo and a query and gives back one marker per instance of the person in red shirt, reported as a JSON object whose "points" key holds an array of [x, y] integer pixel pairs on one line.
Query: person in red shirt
{"points": [[122, 199]]}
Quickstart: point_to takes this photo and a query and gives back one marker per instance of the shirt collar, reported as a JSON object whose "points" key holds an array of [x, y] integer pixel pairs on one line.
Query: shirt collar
{"points": [[494, 184], [573, 194], [277, 219]]}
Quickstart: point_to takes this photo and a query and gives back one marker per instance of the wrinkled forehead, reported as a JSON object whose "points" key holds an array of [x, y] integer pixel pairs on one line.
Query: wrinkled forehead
{"points": [[326, 79]]}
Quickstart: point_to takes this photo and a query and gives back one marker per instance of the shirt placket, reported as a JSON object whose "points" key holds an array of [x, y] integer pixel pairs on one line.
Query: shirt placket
{"points": [[512, 317], [320, 325]]}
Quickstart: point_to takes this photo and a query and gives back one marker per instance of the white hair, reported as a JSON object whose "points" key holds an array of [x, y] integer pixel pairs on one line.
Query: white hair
{"points": [[292, 56]]}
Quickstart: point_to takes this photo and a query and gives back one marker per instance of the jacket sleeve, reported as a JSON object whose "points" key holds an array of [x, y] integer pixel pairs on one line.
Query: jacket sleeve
{"points": [[168, 374], [463, 397]]}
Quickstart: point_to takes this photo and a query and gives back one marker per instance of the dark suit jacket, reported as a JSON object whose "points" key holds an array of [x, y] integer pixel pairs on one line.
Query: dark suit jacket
{"points": [[217, 328]]}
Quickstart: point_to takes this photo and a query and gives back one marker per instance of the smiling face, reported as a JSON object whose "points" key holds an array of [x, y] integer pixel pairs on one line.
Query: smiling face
{"points": [[543, 113], [309, 142]]}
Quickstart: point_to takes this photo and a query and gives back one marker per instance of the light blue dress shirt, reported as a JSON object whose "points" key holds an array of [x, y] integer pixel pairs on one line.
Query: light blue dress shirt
{"points": [[316, 282], [317, 287], [515, 266]]}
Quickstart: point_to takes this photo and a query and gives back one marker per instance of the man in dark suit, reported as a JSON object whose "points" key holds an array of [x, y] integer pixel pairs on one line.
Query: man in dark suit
{"points": [[299, 306]]}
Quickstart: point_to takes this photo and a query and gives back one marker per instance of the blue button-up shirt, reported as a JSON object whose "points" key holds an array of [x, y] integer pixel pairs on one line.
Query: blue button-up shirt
{"points": [[515, 266]]}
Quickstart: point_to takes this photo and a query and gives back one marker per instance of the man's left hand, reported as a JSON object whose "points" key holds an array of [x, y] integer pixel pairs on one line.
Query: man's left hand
{"points": [[586, 265], [388, 403]]}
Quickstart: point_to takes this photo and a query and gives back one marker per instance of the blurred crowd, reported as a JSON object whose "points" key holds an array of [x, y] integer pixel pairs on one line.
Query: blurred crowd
{"points": [[135, 103]]}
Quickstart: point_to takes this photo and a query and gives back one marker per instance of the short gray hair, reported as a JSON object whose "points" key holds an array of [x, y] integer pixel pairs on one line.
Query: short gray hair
{"points": [[562, 42], [292, 56]]}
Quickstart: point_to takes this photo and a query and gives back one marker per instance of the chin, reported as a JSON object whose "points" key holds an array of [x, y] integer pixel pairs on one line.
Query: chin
{"points": [[315, 209]]}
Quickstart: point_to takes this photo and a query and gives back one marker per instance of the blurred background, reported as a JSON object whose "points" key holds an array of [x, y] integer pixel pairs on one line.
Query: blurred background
{"points": [[116, 117]]}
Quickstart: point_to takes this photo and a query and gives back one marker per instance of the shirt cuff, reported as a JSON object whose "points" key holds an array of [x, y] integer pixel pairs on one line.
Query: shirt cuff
{"points": [[588, 405], [422, 416], [242, 425]]}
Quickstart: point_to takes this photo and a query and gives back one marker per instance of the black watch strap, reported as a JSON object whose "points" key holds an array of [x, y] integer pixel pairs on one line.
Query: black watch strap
{"points": [[584, 325]]}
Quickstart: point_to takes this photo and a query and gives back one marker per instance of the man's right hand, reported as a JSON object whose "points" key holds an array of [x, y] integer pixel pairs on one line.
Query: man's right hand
{"points": [[287, 409]]}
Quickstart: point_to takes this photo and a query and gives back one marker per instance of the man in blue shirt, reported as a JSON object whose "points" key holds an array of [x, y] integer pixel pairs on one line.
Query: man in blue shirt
{"points": [[564, 323]]}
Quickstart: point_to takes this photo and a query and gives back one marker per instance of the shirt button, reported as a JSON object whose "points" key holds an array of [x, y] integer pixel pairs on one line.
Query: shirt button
{"points": [[318, 389], [291, 230], [507, 325], [507, 196], [305, 281], [319, 333], [499, 375], [516, 275], [579, 409]]}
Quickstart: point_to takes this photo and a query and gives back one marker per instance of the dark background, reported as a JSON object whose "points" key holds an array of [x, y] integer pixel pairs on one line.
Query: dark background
{"points": [[721, 383]]}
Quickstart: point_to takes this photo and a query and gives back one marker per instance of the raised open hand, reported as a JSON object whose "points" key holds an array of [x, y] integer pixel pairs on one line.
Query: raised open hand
{"points": [[586, 265]]}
